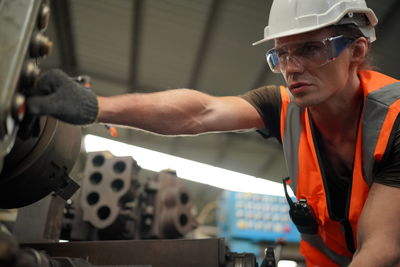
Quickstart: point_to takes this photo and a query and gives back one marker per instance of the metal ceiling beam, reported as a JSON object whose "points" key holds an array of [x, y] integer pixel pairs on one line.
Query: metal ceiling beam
{"points": [[61, 13], [137, 20], [204, 43]]}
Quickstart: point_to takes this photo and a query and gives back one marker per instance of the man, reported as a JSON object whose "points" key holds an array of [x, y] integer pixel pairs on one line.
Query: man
{"points": [[338, 124]]}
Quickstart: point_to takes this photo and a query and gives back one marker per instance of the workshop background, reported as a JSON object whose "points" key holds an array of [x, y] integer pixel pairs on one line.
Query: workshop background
{"points": [[129, 46]]}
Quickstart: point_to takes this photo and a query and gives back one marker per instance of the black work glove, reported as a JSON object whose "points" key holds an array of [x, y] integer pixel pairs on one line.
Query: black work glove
{"points": [[61, 97]]}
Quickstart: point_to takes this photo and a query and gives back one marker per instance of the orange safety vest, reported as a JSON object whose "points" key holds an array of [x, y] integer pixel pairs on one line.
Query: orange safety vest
{"points": [[381, 107]]}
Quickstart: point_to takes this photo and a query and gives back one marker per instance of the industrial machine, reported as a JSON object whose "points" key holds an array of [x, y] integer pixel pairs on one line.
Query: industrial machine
{"points": [[36, 157], [33, 150], [143, 218], [114, 205]]}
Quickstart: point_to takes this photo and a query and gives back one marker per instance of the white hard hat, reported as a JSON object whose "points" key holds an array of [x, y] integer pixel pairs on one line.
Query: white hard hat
{"points": [[290, 17]]}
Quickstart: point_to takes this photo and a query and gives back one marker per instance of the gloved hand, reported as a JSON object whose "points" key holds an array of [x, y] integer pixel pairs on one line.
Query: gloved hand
{"points": [[61, 97]]}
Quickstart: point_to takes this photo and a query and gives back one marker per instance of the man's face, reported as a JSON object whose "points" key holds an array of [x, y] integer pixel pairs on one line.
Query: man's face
{"points": [[316, 85]]}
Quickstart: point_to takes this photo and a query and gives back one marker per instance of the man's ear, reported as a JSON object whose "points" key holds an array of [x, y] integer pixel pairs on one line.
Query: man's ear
{"points": [[360, 50]]}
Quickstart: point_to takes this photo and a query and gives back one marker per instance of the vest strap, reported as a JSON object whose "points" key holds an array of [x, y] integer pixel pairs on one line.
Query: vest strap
{"points": [[348, 234], [291, 141], [376, 108], [317, 242]]}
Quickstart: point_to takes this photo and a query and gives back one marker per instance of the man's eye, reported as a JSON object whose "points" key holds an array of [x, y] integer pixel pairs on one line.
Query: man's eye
{"points": [[281, 53], [311, 48]]}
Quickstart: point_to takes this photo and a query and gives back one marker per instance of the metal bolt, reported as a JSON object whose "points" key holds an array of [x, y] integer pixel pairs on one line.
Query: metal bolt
{"points": [[19, 107], [10, 124], [44, 17], [29, 74], [40, 46]]}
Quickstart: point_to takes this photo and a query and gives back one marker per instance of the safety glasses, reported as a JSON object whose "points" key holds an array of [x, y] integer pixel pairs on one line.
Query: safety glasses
{"points": [[310, 54]]}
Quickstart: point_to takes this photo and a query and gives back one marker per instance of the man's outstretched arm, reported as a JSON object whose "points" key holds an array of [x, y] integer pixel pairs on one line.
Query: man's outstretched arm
{"points": [[172, 112], [179, 111]]}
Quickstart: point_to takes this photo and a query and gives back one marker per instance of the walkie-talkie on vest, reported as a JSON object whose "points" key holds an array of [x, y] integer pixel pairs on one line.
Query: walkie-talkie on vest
{"points": [[301, 213]]}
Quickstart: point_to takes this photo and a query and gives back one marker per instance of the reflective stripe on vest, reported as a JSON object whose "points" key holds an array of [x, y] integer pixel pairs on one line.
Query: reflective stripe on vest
{"points": [[290, 141], [381, 107], [376, 108], [317, 242], [291, 144]]}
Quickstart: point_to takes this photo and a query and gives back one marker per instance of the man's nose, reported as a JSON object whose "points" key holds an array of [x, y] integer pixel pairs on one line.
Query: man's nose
{"points": [[293, 65]]}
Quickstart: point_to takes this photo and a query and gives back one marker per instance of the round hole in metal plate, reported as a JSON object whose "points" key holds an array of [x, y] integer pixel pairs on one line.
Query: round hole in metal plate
{"points": [[103, 212], [184, 198], [92, 198], [96, 178], [117, 185], [183, 219], [119, 167], [98, 160]]}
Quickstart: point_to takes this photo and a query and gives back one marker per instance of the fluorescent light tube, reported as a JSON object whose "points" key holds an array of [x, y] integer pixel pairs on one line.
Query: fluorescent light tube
{"points": [[186, 169]]}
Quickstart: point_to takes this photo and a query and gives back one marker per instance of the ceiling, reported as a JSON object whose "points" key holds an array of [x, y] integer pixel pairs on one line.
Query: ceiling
{"points": [[131, 46]]}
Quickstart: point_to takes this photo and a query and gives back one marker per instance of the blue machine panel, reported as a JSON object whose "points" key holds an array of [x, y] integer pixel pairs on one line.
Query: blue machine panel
{"points": [[255, 217]]}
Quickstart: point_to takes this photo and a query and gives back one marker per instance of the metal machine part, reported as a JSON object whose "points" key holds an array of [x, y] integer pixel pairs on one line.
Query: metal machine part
{"points": [[166, 207], [34, 157], [108, 183], [44, 219], [38, 166], [241, 260], [11, 255], [19, 20], [155, 253], [269, 258], [114, 205], [40, 46]]}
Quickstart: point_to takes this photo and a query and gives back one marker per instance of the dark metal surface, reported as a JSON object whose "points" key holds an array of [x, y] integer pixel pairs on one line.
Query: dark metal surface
{"points": [[168, 208], [61, 10], [21, 44], [158, 253], [40, 221], [137, 21], [36, 167], [11, 255], [17, 20], [241, 260], [209, 30]]}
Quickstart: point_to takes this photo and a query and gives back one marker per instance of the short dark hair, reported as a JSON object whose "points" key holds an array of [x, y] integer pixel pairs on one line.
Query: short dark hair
{"points": [[352, 31]]}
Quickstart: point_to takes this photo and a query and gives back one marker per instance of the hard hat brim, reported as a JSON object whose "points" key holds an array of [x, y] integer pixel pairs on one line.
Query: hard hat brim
{"points": [[288, 33]]}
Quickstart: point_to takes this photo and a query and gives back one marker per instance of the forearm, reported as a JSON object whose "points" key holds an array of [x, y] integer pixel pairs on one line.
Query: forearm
{"points": [[173, 112], [378, 253], [169, 112], [378, 236]]}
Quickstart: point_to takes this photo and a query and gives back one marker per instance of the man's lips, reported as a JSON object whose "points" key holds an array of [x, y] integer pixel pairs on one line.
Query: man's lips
{"points": [[298, 87]]}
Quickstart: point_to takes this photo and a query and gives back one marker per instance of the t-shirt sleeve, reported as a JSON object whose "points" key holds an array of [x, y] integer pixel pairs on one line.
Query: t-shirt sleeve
{"points": [[267, 101], [388, 170]]}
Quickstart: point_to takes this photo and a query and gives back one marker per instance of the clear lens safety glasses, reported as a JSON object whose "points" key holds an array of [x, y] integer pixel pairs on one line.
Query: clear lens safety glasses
{"points": [[310, 55]]}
